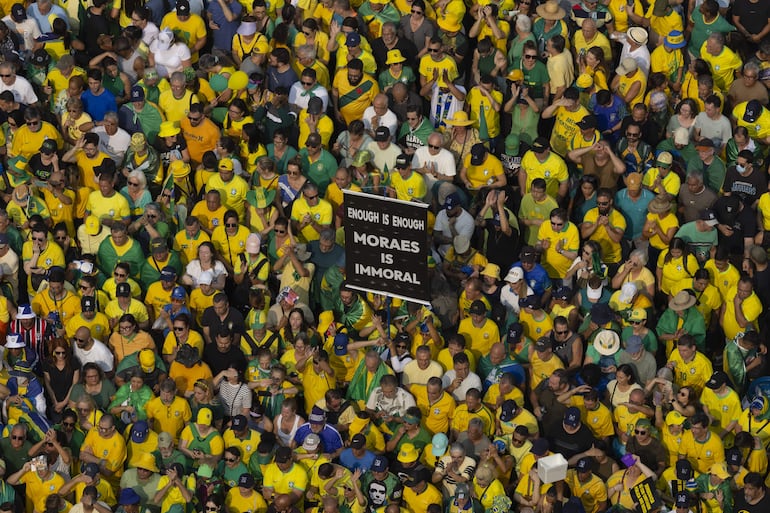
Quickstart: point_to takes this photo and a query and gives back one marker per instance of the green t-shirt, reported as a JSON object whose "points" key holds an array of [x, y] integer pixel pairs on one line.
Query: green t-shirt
{"points": [[535, 79], [700, 243], [702, 30], [530, 209]]}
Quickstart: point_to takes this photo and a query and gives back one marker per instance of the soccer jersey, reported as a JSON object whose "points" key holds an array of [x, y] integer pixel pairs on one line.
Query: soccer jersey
{"points": [[555, 263], [353, 100]]}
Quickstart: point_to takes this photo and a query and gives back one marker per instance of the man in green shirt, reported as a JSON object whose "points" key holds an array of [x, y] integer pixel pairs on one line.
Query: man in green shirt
{"points": [[536, 207], [700, 235], [318, 165]]}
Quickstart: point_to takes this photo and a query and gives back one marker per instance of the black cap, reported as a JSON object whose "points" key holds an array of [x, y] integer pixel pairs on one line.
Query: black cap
{"points": [[717, 379], [239, 423], [422, 474], [87, 304], [283, 455], [705, 143], [183, 8], [528, 254], [733, 456], [402, 161], [684, 470], [478, 308], [564, 293], [18, 13], [543, 344], [48, 147], [123, 290], [382, 134], [540, 145], [246, 480], [478, 153], [507, 410], [753, 111], [358, 441], [588, 122], [41, 57], [584, 464]]}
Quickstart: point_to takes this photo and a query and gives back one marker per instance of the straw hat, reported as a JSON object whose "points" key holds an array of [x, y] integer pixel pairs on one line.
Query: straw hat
{"points": [[607, 342], [660, 204], [551, 10], [459, 118], [682, 301], [638, 35]]}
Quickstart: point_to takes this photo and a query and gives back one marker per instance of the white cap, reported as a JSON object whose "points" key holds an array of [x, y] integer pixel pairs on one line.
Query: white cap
{"points": [[515, 275], [206, 278], [627, 292], [253, 243], [594, 293]]}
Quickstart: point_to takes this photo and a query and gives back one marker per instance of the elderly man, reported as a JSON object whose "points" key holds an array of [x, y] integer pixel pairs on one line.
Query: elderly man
{"points": [[561, 71], [679, 319], [378, 114], [434, 161], [454, 468], [19, 86], [175, 102], [137, 115], [724, 63], [106, 448], [421, 368]]}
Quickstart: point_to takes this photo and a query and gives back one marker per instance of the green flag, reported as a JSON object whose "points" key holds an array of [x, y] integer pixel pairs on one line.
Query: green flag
{"points": [[483, 130]]}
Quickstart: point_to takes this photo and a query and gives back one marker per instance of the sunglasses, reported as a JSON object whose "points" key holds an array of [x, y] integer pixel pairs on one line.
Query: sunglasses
{"points": [[637, 322], [280, 231], [640, 431], [307, 83], [433, 147], [39, 239], [400, 346], [415, 11], [530, 57], [230, 460], [179, 328], [59, 352], [632, 134], [562, 332], [133, 184], [81, 340], [120, 275], [6, 76], [68, 424], [194, 119], [15, 437], [434, 50], [29, 123], [231, 225]]}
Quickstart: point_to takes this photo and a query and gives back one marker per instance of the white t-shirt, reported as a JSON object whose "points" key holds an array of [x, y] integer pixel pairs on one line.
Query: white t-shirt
{"points": [[113, 145], [297, 98], [472, 381], [510, 299], [464, 225], [27, 29], [194, 270], [21, 89], [444, 162], [149, 33], [641, 55], [169, 61], [98, 354], [389, 120], [384, 158]]}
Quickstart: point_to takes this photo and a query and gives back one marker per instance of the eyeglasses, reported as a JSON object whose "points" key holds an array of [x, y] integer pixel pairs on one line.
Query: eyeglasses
{"points": [[640, 431], [134, 184], [528, 57], [152, 216], [212, 508], [231, 225], [126, 327], [308, 33], [415, 11]]}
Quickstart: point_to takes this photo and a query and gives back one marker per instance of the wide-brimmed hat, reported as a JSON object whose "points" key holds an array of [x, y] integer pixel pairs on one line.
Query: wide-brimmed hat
{"points": [[627, 66], [168, 128], [449, 22], [551, 10], [459, 118], [682, 301], [675, 39], [607, 342], [660, 204]]}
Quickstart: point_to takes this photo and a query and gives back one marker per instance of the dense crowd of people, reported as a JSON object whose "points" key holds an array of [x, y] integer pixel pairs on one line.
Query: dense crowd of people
{"points": [[178, 330]]}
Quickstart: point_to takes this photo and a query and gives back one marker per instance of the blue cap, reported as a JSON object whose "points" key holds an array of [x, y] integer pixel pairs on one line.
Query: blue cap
{"points": [[178, 293], [341, 344], [129, 496]]}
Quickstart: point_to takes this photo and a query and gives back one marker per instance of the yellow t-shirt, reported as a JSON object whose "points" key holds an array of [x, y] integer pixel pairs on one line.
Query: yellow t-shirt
{"points": [[295, 479], [354, 99], [99, 326], [591, 493], [26, 142], [237, 503], [676, 270], [479, 339], [232, 193], [135, 308], [723, 409], [115, 207], [668, 63], [751, 308], [665, 224], [170, 418], [428, 66], [484, 173], [39, 490], [410, 188], [322, 213], [725, 280], [702, 455], [555, 263], [175, 109], [59, 82], [190, 31], [611, 250], [694, 373], [553, 171], [723, 66], [478, 101], [565, 128], [112, 450], [541, 370]]}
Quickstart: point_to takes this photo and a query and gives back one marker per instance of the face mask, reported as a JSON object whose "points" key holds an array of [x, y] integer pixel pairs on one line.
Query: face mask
{"points": [[741, 169]]}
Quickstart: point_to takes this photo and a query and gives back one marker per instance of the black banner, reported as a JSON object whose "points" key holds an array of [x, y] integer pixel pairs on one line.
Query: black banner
{"points": [[386, 246]]}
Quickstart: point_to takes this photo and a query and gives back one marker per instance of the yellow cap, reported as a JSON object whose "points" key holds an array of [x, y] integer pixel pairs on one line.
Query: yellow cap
{"points": [[147, 360]]}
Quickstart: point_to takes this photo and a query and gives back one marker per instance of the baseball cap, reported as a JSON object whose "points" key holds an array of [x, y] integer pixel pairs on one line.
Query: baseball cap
{"points": [[421, 475], [380, 464], [529, 302], [665, 158], [682, 500], [382, 134], [18, 13], [709, 216], [87, 304], [91, 469], [681, 136], [283, 455], [182, 7], [123, 290], [674, 418], [165, 439], [204, 417], [48, 147], [93, 225], [733, 456], [147, 360], [226, 164], [540, 145], [158, 245], [239, 423], [515, 275], [478, 153], [137, 93], [507, 410], [752, 113], [358, 441], [341, 344], [353, 39], [168, 273], [439, 443], [704, 143], [683, 470], [246, 480], [452, 201], [634, 181], [178, 293], [634, 344], [638, 314], [128, 496], [572, 417], [588, 122], [717, 379], [543, 344], [41, 57], [564, 293], [402, 161], [311, 442], [584, 464], [477, 308], [139, 431], [206, 278], [528, 254], [317, 416], [462, 491]]}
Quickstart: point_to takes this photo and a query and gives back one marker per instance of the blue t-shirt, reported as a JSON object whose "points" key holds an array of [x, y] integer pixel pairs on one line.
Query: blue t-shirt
{"points": [[330, 437], [223, 36], [98, 106], [350, 462], [537, 278]]}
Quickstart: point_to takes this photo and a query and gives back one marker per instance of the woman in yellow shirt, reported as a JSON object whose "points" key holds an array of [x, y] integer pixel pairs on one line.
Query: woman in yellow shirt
{"points": [[261, 214], [237, 116], [674, 265], [593, 64], [250, 149], [310, 35]]}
